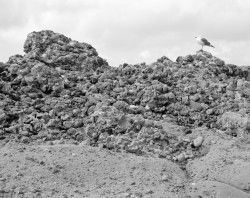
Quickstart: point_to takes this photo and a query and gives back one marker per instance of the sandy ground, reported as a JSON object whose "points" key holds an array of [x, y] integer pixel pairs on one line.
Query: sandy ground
{"points": [[69, 170], [81, 171]]}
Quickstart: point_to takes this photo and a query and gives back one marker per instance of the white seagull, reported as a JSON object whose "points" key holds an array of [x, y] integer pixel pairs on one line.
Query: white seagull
{"points": [[203, 42]]}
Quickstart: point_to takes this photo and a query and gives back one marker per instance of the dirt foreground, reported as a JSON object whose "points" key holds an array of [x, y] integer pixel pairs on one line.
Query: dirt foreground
{"points": [[66, 169]]}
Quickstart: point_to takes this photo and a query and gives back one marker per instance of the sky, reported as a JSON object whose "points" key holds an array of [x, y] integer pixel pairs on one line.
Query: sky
{"points": [[133, 31]]}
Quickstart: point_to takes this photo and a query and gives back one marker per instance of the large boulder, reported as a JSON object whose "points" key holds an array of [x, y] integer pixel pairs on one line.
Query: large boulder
{"points": [[58, 50], [234, 120]]}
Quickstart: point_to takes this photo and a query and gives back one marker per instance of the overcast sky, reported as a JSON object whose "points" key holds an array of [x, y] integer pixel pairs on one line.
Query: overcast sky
{"points": [[133, 31]]}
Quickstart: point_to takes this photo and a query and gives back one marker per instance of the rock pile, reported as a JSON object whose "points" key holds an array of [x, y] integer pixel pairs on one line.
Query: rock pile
{"points": [[62, 89]]}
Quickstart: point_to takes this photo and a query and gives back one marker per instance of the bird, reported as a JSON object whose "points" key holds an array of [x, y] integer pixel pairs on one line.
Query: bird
{"points": [[203, 42]]}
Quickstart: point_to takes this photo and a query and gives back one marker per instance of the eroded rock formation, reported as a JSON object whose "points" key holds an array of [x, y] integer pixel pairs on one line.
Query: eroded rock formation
{"points": [[62, 89]]}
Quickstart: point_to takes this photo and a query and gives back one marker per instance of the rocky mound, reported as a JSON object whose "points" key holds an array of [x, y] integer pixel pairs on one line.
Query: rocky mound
{"points": [[62, 89]]}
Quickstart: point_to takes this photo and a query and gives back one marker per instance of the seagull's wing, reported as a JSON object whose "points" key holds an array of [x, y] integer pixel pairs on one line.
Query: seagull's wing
{"points": [[205, 41]]}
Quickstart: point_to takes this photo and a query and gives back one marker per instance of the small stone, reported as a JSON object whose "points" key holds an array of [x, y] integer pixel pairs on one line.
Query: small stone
{"points": [[85, 143], [52, 113], [61, 142], [50, 143], [164, 178], [24, 133], [133, 183], [25, 140], [135, 196], [198, 141], [213, 141], [191, 89], [219, 62], [180, 157], [3, 116], [209, 111], [78, 123], [187, 131], [133, 106], [186, 140], [196, 106], [76, 111], [101, 145], [124, 195], [55, 142], [149, 191], [147, 108], [64, 196], [195, 97]]}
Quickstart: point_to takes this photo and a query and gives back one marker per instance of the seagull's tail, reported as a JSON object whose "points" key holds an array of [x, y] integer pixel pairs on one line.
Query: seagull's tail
{"points": [[211, 46]]}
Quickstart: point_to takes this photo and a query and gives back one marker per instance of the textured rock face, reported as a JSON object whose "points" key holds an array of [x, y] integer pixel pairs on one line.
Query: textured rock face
{"points": [[59, 51], [62, 89]]}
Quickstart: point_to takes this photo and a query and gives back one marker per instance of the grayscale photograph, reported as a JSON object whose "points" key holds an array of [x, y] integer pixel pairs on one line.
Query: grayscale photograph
{"points": [[124, 99]]}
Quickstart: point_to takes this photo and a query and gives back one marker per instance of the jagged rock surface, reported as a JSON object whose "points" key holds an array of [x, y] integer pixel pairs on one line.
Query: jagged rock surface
{"points": [[62, 89]]}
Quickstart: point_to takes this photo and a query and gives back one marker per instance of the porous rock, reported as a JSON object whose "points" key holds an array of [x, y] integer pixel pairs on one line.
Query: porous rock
{"points": [[62, 89]]}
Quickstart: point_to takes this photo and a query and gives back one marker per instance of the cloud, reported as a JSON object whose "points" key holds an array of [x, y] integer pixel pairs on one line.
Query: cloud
{"points": [[123, 31], [10, 16], [145, 54]]}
